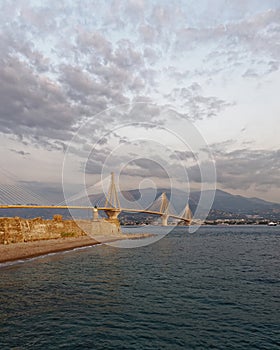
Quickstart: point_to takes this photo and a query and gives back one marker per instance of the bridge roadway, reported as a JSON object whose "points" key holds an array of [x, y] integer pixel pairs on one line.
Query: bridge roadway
{"points": [[118, 210]]}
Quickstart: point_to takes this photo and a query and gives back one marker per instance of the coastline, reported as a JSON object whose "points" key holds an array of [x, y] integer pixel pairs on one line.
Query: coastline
{"points": [[22, 238], [26, 250]]}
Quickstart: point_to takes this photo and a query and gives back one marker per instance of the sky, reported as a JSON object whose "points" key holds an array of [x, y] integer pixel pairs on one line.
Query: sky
{"points": [[149, 89]]}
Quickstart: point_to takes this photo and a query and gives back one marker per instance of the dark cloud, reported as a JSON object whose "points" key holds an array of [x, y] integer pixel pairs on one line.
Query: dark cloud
{"points": [[243, 168], [273, 66], [92, 167], [22, 153], [144, 167], [182, 155], [240, 169], [46, 192], [33, 105]]}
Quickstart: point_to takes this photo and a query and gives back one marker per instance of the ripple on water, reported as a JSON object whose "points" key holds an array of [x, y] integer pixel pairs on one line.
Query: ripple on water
{"points": [[212, 289]]}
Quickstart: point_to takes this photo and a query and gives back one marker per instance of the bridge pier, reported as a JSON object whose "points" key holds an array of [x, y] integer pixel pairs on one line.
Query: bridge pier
{"points": [[185, 222], [112, 216], [112, 213], [95, 214], [164, 219]]}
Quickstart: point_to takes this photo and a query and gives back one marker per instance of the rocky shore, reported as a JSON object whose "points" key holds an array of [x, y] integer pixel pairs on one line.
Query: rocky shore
{"points": [[16, 229]]}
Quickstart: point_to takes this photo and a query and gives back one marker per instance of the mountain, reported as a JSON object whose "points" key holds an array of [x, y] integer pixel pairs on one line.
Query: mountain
{"points": [[242, 205], [224, 204]]}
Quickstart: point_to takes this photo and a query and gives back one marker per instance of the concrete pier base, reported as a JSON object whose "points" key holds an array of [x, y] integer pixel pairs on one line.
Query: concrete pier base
{"points": [[112, 213], [164, 219]]}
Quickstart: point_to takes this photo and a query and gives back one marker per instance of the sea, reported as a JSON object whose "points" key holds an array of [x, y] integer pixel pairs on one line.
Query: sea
{"points": [[216, 288]]}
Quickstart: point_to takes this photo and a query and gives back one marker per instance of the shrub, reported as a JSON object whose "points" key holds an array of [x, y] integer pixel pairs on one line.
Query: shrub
{"points": [[67, 234]]}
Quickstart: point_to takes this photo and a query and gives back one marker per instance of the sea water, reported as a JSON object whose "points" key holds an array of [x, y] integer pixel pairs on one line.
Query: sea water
{"points": [[217, 288]]}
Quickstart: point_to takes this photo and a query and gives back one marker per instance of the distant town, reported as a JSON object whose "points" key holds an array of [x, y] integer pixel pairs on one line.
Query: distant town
{"points": [[215, 217]]}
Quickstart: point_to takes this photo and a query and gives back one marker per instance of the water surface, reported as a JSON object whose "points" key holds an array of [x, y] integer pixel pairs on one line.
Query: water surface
{"points": [[217, 288]]}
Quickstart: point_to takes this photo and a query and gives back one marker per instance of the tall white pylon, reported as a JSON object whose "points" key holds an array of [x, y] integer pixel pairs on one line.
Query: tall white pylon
{"points": [[164, 203], [187, 215], [112, 199], [164, 206]]}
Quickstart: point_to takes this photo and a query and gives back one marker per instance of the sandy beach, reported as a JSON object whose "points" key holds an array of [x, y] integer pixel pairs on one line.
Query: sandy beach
{"points": [[24, 250]]}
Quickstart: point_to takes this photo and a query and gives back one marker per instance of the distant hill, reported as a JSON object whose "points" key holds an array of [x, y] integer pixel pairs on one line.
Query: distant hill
{"points": [[238, 204], [224, 202]]}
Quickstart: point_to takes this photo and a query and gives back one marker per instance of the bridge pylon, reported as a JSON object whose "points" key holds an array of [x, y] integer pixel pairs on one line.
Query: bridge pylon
{"points": [[164, 219], [187, 215], [112, 202], [164, 206]]}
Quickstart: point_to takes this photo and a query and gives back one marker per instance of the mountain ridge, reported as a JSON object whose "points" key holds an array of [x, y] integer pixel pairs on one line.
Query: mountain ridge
{"points": [[222, 201]]}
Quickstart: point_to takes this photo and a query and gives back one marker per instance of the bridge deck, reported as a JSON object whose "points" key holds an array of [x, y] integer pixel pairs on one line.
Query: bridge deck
{"points": [[19, 206]]}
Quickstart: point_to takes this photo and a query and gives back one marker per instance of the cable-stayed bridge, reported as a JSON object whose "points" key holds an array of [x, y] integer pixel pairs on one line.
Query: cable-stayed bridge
{"points": [[110, 204]]}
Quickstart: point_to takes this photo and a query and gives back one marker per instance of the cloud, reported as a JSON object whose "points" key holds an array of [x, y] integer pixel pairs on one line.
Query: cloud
{"points": [[273, 66], [182, 155], [64, 66], [195, 105], [135, 10], [243, 168], [256, 35], [46, 106], [94, 42], [250, 73], [143, 167], [178, 75], [92, 167], [148, 33], [50, 90], [34, 106], [22, 153], [45, 192]]}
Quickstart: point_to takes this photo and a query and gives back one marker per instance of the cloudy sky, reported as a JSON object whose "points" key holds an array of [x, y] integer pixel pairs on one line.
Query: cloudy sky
{"points": [[85, 69]]}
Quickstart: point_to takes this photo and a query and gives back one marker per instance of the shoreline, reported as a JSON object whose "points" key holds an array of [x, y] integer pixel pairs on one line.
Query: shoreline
{"points": [[26, 250]]}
